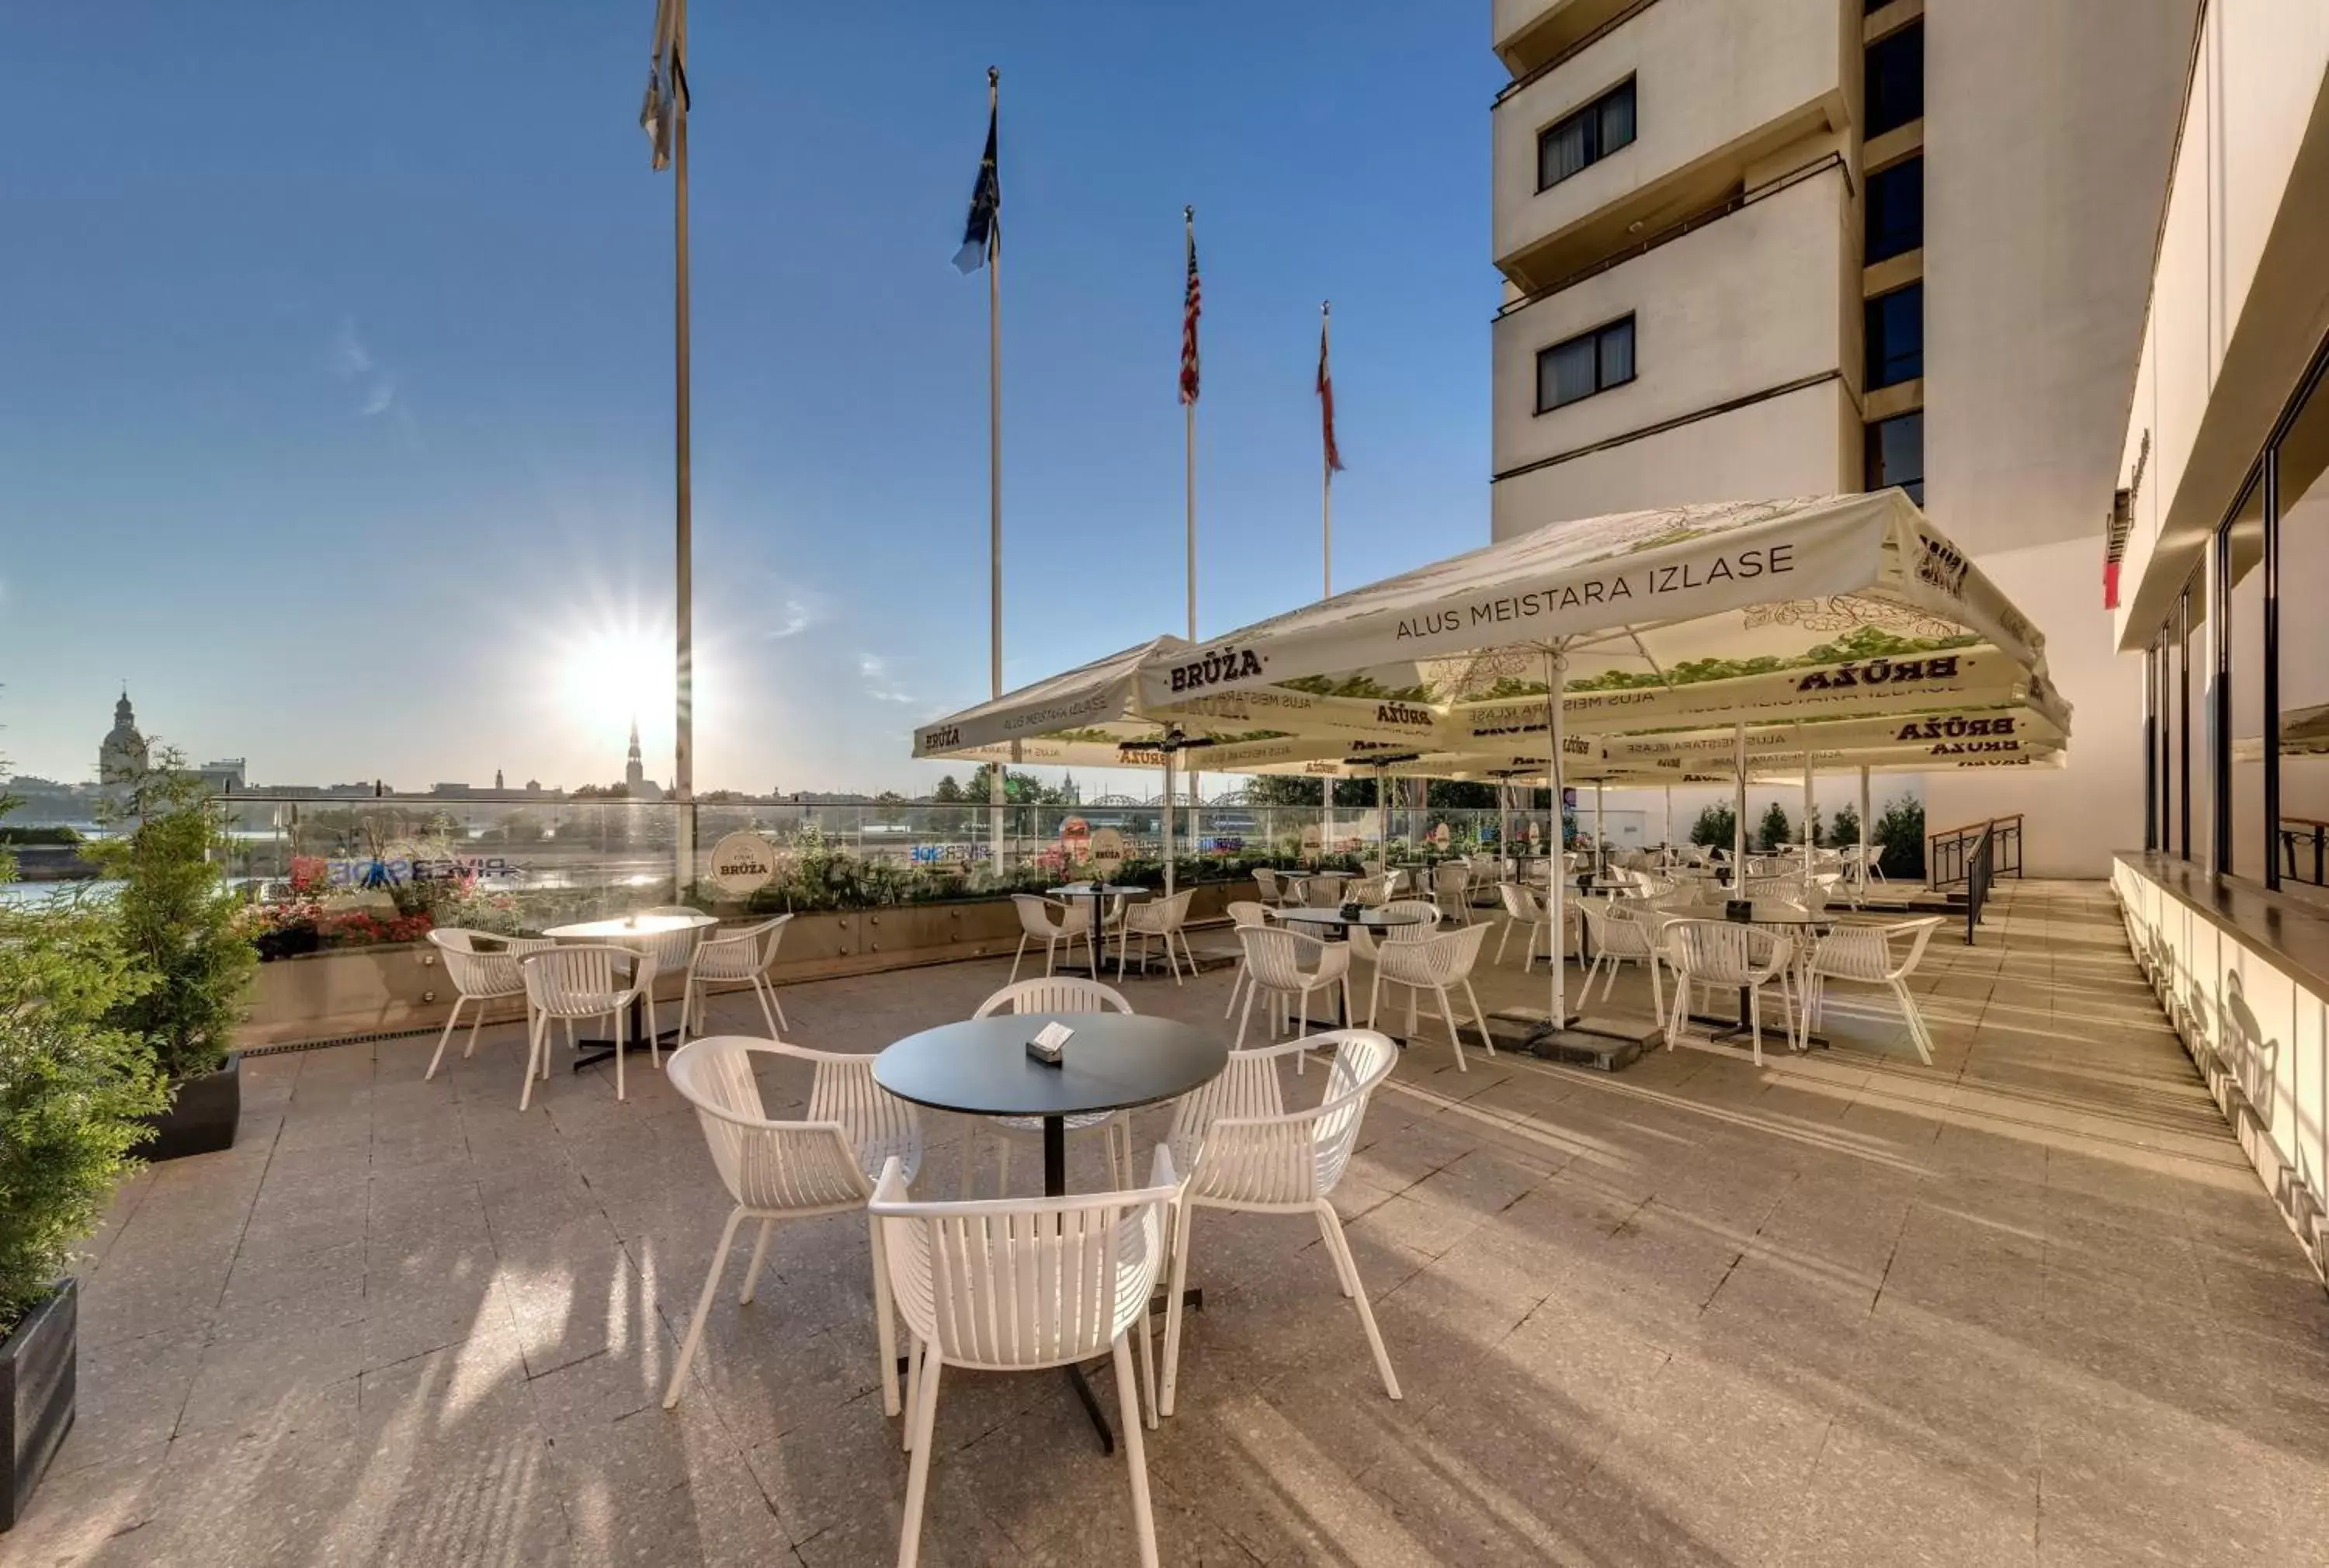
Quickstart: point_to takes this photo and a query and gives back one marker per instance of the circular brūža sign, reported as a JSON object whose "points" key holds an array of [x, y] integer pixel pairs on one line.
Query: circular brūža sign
{"points": [[742, 864], [1107, 851]]}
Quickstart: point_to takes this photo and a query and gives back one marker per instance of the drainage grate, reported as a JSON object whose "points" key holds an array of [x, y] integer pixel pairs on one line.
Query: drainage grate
{"points": [[290, 1047]]}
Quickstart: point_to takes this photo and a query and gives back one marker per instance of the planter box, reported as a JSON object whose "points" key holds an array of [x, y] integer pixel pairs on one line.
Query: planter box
{"points": [[202, 1116], [36, 1395], [385, 989]]}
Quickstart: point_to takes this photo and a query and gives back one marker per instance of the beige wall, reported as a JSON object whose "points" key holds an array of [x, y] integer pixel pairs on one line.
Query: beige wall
{"points": [[2240, 296], [1787, 445], [2074, 817], [1708, 72], [1751, 302]]}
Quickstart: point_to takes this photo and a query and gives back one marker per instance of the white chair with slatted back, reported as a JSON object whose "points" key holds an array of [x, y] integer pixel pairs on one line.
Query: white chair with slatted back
{"points": [[743, 954], [1019, 1285], [1865, 956], [1162, 918], [1048, 995], [1049, 923], [1729, 956], [1364, 945], [1271, 887], [1243, 914], [1290, 967], [1776, 890], [825, 1163], [1438, 965], [482, 968], [1619, 938], [584, 980], [674, 953], [1523, 908], [1451, 889], [1246, 1152]]}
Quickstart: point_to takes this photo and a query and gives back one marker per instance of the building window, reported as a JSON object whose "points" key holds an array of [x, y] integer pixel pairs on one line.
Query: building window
{"points": [[1896, 210], [1896, 336], [1586, 136], [1587, 363], [1896, 454], [1894, 86]]}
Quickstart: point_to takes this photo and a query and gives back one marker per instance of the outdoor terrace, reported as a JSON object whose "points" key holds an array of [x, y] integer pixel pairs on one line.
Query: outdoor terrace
{"points": [[2026, 1305]]}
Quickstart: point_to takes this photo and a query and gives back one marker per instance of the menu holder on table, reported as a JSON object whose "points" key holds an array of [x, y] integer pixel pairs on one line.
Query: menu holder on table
{"points": [[1050, 1044]]}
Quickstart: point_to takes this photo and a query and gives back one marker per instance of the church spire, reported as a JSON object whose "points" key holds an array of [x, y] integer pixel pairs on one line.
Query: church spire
{"points": [[635, 771]]}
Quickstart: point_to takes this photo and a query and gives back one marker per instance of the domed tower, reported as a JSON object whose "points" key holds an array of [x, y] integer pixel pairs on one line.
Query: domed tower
{"points": [[122, 756]]}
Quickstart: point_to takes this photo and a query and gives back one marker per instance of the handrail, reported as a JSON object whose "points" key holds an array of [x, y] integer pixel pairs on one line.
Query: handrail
{"points": [[1697, 221], [2295, 832], [1980, 872], [1950, 853], [1538, 72]]}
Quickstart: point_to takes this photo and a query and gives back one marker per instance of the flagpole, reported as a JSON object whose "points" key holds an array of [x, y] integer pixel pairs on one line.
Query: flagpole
{"points": [[1325, 479], [682, 777], [995, 785], [1189, 462]]}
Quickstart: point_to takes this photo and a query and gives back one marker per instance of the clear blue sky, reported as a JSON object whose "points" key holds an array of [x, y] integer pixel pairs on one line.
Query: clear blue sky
{"points": [[336, 415]]}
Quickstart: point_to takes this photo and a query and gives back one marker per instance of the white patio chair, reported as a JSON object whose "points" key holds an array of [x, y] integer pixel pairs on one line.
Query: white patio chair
{"points": [[1451, 889], [1369, 892], [1037, 923], [1364, 946], [825, 1163], [1242, 913], [1619, 938], [1246, 1152], [674, 953], [1524, 909], [585, 980], [1776, 890], [1323, 889], [1272, 887], [1731, 956], [1438, 965], [743, 954], [1290, 967], [479, 977], [1019, 1285], [1865, 954], [1162, 918], [1063, 995]]}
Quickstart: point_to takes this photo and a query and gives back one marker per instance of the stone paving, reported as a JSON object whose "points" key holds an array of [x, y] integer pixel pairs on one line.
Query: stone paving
{"points": [[2026, 1305]]}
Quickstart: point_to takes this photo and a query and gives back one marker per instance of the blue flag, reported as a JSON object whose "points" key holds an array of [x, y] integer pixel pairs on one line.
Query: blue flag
{"points": [[981, 232]]}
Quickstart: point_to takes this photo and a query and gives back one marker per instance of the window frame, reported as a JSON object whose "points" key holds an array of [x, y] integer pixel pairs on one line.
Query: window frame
{"points": [[1595, 333], [1872, 447], [1870, 129], [1591, 109], [1868, 253], [1867, 308]]}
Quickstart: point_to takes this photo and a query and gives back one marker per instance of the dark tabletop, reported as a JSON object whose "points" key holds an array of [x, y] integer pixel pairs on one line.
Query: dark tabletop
{"points": [[1115, 1061], [1372, 919], [1086, 890]]}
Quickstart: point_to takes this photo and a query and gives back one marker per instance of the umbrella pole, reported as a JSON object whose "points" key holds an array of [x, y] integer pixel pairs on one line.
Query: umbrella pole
{"points": [[1600, 837], [1808, 820], [1863, 830], [1667, 843], [1383, 819], [1738, 810], [1168, 822], [1554, 664]]}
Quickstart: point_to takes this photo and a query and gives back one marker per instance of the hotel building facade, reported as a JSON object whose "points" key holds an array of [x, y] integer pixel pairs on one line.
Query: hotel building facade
{"points": [[1766, 248]]}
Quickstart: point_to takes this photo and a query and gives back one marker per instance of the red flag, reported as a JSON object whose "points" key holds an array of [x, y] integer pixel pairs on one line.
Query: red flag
{"points": [[1326, 400], [1192, 308]]}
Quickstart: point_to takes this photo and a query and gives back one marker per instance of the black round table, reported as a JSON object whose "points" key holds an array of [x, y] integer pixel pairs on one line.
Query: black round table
{"points": [[1074, 890], [1113, 1062]]}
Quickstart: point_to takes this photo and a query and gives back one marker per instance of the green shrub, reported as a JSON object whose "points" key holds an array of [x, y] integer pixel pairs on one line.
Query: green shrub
{"points": [[177, 919], [1847, 827], [1900, 830], [70, 1087], [1717, 828], [1775, 833]]}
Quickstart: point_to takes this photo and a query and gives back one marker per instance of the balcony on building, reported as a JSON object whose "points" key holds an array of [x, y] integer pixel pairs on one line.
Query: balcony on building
{"points": [[1740, 354], [1718, 93]]}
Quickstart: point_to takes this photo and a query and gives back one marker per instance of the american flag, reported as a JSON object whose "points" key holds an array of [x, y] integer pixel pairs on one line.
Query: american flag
{"points": [[1191, 307], [1327, 399]]}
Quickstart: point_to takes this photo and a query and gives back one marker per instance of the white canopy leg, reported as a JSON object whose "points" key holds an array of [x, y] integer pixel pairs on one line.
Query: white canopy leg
{"points": [[1169, 805], [1555, 666], [1738, 810], [1808, 820], [1863, 830]]}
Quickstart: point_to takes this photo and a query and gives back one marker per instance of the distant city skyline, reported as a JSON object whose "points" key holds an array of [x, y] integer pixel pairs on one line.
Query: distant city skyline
{"points": [[348, 450]]}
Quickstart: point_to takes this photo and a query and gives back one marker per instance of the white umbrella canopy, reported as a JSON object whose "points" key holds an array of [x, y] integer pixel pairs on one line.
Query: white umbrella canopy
{"points": [[1661, 599]]}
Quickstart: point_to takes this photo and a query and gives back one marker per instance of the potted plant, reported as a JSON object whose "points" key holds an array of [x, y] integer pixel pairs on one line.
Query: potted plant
{"points": [[71, 1089], [177, 918]]}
